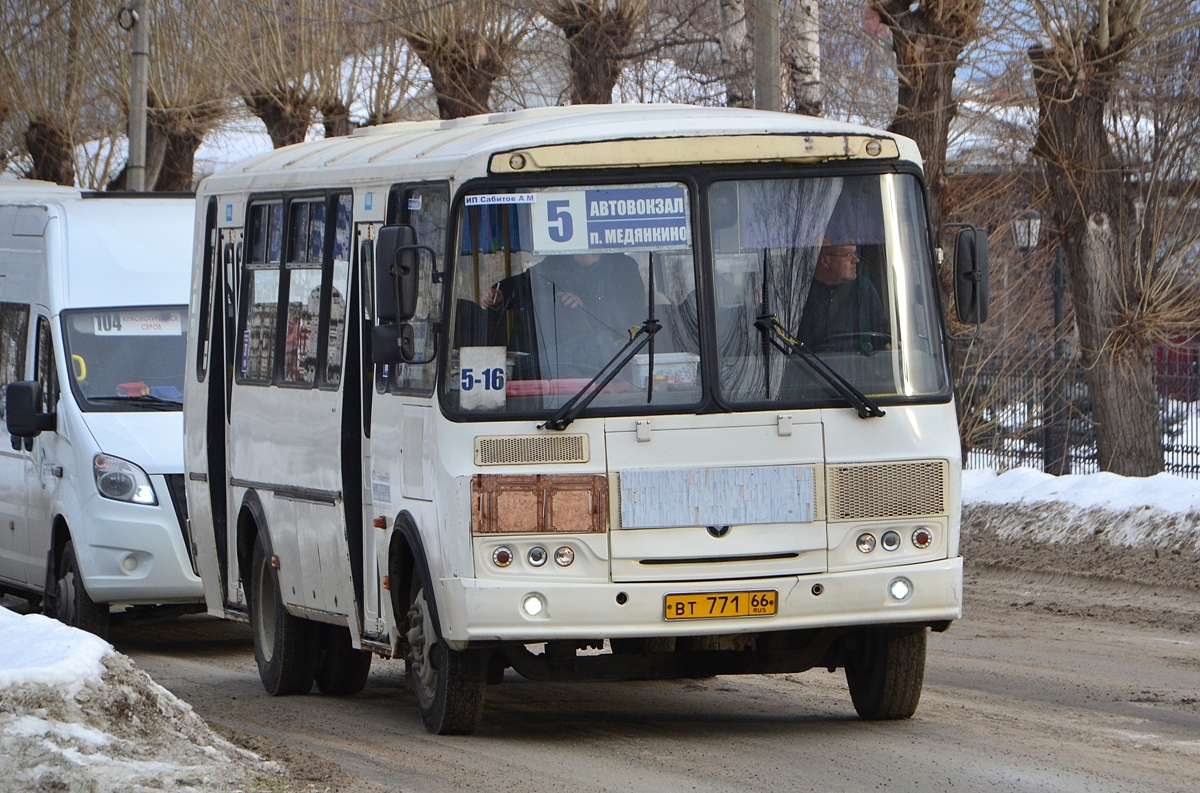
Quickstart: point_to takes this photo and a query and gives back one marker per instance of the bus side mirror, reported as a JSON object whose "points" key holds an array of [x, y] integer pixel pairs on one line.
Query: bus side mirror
{"points": [[971, 290], [22, 400], [393, 344], [397, 268]]}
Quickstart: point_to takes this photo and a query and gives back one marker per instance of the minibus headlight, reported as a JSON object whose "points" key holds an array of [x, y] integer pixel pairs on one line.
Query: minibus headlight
{"points": [[121, 480]]}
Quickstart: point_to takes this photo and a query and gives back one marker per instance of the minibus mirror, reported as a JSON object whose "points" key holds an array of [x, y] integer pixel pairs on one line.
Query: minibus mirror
{"points": [[397, 266], [971, 275], [22, 400], [393, 344]]}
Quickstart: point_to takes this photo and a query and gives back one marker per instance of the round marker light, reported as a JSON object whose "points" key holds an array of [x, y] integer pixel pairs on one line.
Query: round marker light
{"points": [[900, 588], [922, 537], [533, 605], [564, 556], [537, 556], [874, 148], [516, 162], [890, 540], [502, 556], [865, 542]]}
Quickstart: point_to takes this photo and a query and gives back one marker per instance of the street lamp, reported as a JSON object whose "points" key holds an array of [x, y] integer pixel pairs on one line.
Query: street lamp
{"points": [[1026, 228]]}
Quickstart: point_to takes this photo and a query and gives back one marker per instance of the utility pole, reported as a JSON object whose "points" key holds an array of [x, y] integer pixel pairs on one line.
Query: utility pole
{"points": [[766, 55], [139, 27]]}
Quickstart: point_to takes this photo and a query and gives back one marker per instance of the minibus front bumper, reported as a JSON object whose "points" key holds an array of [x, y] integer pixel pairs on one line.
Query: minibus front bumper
{"points": [[489, 610], [135, 553]]}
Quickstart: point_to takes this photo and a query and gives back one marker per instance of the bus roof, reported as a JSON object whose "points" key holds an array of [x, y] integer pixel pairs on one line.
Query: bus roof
{"points": [[462, 147]]}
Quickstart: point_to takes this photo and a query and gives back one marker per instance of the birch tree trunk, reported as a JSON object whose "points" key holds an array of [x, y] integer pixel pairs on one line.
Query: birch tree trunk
{"points": [[734, 41], [802, 57]]}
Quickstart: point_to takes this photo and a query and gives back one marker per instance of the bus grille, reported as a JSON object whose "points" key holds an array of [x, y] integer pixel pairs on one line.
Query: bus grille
{"points": [[887, 490], [525, 449]]}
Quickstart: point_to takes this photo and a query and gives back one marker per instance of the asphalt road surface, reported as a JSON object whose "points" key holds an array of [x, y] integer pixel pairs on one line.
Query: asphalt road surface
{"points": [[1046, 684]]}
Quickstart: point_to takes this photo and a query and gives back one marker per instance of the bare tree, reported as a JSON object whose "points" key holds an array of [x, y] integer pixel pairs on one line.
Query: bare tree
{"points": [[734, 42], [1081, 70], [928, 37], [802, 55], [465, 47], [599, 34]]}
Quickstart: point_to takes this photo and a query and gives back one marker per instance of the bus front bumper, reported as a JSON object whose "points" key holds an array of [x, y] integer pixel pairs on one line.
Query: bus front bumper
{"points": [[488, 610]]}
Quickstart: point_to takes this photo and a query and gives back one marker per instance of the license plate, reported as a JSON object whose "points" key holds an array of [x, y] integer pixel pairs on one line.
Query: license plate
{"points": [[707, 605]]}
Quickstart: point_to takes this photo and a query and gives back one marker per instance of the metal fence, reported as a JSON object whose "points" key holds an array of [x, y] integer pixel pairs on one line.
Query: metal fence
{"points": [[1037, 413]]}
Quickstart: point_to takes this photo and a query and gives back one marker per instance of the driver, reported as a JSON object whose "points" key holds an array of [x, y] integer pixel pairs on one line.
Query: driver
{"points": [[843, 311], [574, 311]]}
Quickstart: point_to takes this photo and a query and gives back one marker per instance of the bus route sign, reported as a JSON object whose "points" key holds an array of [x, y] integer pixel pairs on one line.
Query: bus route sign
{"points": [[635, 218]]}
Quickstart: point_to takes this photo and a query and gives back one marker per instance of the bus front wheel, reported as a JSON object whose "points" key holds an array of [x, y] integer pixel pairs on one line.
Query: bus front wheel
{"points": [[885, 678], [449, 684], [284, 645]]}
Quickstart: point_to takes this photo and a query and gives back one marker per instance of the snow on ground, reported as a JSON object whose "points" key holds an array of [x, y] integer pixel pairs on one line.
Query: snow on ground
{"points": [[77, 715], [1139, 530]]}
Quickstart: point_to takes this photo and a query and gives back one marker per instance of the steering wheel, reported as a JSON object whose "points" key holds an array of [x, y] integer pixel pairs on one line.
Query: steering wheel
{"points": [[852, 342]]}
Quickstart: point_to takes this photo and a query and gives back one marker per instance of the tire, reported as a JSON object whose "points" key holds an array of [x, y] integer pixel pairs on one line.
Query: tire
{"points": [[449, 684], [885, 679], [72, 604], [341, 670], [284, 646]]}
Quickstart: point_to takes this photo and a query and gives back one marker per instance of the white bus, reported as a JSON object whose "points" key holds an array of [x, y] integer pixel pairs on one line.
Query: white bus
{"points": [[93, 312], [611, 393]]}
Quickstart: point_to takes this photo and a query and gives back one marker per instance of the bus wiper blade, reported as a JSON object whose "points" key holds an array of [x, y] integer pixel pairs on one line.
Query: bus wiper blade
{"points": [[768, 325], [146, 400], [571, 409]]}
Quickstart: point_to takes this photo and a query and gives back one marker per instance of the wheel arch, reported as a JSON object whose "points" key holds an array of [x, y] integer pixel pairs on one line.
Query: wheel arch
{"points": [[406, 559], [251, 524]]}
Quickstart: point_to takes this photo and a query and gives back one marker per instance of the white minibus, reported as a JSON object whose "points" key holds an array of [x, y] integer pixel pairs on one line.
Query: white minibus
{"points": [[617, 392], [93, 321]]}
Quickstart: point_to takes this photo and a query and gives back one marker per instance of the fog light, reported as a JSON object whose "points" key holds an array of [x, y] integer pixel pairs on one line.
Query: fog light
{"points": [[922, 537], [866, 542], [129, 563], [900, 588], [533, 605], [890, 540], [537, 556], [502, 556], [564, 556]]}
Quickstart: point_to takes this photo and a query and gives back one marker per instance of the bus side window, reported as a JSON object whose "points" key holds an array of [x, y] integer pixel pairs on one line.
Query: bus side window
{"points": [[255, 350], [306, 237], [14, 340], [206, 290], [340, 288], [427, 209]]}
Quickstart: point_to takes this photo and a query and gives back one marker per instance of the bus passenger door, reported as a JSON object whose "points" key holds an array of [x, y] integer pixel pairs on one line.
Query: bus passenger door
{"points": [[43, 466], [358, 392]]}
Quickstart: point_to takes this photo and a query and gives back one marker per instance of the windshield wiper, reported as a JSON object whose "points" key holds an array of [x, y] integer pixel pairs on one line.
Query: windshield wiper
{"points": [[768, 325], [571, 409], [143, 400]]}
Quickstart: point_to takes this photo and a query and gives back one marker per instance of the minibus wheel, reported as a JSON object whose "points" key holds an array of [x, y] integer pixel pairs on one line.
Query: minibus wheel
{"points": [[341, 670], [284, 646], [885, 677], [449, 684], [73, 605]]}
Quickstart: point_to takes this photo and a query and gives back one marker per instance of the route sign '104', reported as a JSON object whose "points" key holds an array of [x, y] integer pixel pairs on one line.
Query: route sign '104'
{"points": [[646, 217]]}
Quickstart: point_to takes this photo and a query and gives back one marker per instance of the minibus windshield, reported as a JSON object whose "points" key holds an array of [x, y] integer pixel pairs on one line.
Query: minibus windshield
{"points": [[126, 358], [551, 283]]}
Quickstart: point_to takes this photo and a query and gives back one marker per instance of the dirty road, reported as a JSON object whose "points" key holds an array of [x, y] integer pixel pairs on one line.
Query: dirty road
{"points": [[1049, 683]]}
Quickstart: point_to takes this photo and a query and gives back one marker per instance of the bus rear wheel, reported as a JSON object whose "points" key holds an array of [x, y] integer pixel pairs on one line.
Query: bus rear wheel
{"points": [[73, 605], [885, 678], [284, 645], [449, 684], [341, 670]]}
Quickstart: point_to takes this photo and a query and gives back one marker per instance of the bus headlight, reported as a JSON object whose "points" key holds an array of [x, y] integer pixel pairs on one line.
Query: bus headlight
{"points": [[121, 480]]}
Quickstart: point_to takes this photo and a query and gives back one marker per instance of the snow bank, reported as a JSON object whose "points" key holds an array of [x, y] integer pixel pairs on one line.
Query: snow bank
{"points": [[1140, 530], [77, 715]]}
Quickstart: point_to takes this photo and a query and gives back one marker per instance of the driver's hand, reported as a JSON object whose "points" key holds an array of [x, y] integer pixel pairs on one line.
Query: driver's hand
{"points": [[570, 299], [491, 298]]}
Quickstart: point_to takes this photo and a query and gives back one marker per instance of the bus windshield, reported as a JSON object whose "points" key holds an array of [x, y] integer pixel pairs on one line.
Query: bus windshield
{"points": [[126, 358], [550, 284]]}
